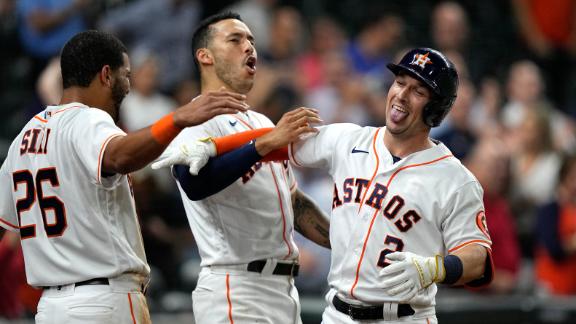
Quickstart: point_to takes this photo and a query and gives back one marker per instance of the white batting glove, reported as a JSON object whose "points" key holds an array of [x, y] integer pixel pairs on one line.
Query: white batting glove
{"points": [[408, 273], [195, 155]]}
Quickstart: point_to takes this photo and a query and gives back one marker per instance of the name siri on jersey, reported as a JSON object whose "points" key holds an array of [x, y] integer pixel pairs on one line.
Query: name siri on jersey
{"points": [[35, 141], [354, 190]]}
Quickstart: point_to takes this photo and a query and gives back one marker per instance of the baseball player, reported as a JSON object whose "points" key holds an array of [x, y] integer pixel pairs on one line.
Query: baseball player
{"points": [[406, 214], [65, 189], [243, 211]]}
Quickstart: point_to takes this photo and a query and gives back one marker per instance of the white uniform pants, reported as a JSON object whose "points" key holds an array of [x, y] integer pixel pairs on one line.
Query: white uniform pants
{"points": [[118, 303], [225, 296]]}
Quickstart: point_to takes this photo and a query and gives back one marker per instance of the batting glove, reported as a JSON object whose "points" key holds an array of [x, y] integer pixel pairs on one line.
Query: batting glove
{"points": [[195, 156], [408, 273]]}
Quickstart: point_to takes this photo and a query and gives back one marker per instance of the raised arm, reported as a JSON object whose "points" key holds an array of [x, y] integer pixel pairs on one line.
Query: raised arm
{"points": [[309, 220], [125, 154], [201, 176]]}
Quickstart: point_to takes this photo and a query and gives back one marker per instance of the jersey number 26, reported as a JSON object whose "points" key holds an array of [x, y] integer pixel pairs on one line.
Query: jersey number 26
{"points": [[33, 189]]}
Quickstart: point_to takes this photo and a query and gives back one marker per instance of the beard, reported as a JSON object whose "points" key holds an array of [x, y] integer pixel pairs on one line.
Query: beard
{"points": [[118, 94], [232, 78]]}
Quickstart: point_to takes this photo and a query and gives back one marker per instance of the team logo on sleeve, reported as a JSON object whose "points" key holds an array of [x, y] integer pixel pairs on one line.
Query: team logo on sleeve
{"points": [[482, 224], [421, 60]]}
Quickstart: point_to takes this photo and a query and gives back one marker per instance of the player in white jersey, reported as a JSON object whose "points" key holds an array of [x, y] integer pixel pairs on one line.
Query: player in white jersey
{"points": [[406, 213], [65, 189], [240, 209]]}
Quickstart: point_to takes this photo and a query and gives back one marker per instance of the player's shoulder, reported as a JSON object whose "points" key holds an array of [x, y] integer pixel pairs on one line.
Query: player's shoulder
{"points": [[458, 172], [76, 112], [348, 132], [345, 128]]}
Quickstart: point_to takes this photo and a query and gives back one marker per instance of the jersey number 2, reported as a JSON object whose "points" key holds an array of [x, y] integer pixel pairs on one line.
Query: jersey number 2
{"points": [[33, 189], [398, 246]]}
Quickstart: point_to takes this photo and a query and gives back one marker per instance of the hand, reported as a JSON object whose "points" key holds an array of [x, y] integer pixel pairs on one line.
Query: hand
{"points": [[409, 273], [291, 126], [195, 156], [208, 105]]}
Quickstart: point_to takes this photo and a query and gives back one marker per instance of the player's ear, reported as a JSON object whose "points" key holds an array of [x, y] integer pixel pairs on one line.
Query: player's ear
{"points": [[204, 56], [105, 75]]}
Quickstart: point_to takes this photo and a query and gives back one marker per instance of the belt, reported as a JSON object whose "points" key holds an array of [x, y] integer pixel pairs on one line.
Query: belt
{"points": [[95, 281], [281, 269], [368, 312]]}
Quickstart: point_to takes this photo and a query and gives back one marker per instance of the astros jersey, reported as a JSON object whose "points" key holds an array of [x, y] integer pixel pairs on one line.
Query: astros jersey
{"points": [[252, 218], [74, 224], [427, 203]]}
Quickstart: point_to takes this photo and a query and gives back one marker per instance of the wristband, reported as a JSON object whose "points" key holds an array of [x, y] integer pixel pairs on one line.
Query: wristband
{"points": [[164, 130], [453, 267]]}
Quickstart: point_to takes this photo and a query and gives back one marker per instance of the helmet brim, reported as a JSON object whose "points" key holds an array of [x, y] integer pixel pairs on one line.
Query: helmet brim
{"points": [[396, 69]]}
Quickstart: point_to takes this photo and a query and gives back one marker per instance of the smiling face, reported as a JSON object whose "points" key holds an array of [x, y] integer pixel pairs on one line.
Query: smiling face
{"points": [[233, 54], [404, 106]]}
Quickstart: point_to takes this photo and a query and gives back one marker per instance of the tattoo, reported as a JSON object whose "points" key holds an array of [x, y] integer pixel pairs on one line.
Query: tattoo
{"points": [[310, 221]]}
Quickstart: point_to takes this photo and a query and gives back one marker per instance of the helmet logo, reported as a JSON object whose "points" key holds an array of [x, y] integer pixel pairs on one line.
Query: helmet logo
{"points": [[421, 60]]}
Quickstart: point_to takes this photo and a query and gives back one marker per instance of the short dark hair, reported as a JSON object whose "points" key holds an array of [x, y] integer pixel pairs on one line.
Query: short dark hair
{"points": [[202, 34], [84, 55]]}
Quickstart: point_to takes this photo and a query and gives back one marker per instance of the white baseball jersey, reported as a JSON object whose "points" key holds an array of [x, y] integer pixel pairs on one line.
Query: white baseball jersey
{"points": [[427, 203], [74, 224], [251, 219]]}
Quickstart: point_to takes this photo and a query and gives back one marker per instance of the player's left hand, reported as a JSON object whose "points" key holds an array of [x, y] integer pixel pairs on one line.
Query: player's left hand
{"points": [[408, 273], [195, 156]]}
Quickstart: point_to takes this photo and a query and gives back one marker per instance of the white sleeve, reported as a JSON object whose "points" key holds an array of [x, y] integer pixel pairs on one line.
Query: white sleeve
{"points": [[466, 222], [91, 131], [8, 215], [317, 150]]}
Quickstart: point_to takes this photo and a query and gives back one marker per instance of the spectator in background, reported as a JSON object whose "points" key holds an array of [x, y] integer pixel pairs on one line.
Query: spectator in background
{"points": [[163, 27], [326, 36], [450, 28], [489, 162], [16, 297], [258, 15], [548, 29], [144, 105], [525, 90], [276, 90], [46, 25], [534, 165], [49, 83], [374, 47], [556, 233], [342, 98]]}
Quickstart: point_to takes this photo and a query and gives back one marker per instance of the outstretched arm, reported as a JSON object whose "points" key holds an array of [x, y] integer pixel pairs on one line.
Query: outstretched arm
{"points": [[272, 142], [309, 220], [125, 154]]}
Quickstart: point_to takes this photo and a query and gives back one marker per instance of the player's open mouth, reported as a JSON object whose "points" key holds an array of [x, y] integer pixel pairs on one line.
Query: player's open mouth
{"points": [[398, 113], [251, 64]]}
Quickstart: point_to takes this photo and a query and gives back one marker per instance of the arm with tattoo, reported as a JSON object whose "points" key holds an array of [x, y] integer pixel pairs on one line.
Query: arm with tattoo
{"points": [[309, 220]]}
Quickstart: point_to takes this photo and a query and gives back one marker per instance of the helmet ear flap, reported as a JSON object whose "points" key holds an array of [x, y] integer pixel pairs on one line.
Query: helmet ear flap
{"points": [[435, 111]]}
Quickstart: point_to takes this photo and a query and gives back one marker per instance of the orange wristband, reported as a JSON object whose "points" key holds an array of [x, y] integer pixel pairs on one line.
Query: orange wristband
{"points": [[164, 130], [228, 143]]}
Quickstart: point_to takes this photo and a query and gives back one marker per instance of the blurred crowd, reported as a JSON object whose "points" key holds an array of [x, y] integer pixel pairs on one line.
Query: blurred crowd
{"points": [[513, 124]]}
